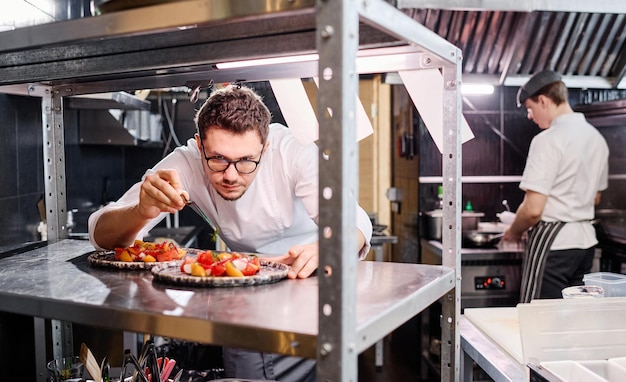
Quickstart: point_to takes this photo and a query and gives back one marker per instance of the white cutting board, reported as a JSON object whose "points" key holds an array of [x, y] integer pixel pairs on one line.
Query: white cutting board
{"points": [[501, 325]]}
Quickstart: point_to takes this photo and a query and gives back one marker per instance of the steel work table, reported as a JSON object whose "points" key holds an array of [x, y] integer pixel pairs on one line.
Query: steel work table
{"points": [[377, 243], [57, 282], [496, 362]]}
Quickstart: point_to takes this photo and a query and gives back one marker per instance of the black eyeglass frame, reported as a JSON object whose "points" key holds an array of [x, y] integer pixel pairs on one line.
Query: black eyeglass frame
{"points": [[229, 162]]}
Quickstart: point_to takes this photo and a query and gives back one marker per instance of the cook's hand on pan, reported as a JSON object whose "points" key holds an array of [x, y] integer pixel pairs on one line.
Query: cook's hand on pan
{"points": [[513, 237], [161, 192], [303, 259]]}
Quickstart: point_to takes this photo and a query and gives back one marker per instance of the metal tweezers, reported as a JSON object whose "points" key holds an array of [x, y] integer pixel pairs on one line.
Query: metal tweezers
{"points": [[194, 206]]}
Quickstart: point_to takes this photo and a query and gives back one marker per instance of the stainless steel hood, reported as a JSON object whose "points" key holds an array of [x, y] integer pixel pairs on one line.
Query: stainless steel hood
{"points": [[112, 100], [608, 113], [97, 126]]}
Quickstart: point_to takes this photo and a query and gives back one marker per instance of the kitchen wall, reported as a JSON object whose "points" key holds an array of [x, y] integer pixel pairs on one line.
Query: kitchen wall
{"points": [[497, 154], [21, 168]]}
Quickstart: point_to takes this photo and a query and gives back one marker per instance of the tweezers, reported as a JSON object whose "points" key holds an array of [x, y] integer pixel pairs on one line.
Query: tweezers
{"points": [[194, 206]]}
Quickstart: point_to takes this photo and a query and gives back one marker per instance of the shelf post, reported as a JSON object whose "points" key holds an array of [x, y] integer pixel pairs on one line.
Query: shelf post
{"points": [[451, 234], [54, 163], [337, 42]]}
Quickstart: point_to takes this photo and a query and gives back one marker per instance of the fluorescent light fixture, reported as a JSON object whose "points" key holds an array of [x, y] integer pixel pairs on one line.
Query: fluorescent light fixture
{"points": [[267, 61], [367, 61], [476, 89]]}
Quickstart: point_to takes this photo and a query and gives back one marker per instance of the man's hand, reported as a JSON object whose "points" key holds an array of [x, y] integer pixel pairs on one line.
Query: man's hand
{"points": [[303, 259], [511, 236], [161, 192], [528, 214]]}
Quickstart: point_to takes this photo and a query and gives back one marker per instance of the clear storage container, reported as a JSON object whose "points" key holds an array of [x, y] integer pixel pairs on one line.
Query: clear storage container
{"points": [[614, 284]]}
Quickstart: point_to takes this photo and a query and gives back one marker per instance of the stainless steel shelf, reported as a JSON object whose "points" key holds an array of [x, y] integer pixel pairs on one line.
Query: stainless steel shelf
{"points": [[57, 282]]}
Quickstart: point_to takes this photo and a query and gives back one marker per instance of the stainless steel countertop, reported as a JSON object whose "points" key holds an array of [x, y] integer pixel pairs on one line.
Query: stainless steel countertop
{"points": [[496, 362], [57, 282]]}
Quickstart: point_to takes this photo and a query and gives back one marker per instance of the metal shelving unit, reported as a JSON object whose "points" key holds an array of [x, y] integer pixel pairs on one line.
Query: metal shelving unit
{"points": [[181, 44]]}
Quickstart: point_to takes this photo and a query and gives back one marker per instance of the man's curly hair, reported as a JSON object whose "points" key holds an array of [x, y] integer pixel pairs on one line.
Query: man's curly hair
{"points": [[235, 108]]}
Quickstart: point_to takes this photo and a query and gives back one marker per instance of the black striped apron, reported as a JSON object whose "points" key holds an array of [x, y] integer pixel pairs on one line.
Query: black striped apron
{"points": [[540, 240]]}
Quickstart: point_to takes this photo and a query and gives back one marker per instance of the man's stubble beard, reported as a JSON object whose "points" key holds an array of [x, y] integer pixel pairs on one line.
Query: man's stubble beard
{"points": [[230, 198]]}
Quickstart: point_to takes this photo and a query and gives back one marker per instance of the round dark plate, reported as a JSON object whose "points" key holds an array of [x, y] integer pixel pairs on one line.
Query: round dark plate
{"points": [[270, 273]]}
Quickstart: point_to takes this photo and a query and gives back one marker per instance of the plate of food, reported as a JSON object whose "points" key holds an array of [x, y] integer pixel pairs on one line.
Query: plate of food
{"points": [[220, 269], [139, 256]]}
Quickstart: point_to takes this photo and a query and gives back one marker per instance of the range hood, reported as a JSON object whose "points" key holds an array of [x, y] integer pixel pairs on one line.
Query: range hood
{"points": [[602, 114], [114, 100], [99, 127], [97, 123]]}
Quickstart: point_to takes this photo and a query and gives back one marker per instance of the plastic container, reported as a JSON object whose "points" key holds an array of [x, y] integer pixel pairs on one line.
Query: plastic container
{"points": [[607, 370], [614, 284], [583, 291], [571, 371]]}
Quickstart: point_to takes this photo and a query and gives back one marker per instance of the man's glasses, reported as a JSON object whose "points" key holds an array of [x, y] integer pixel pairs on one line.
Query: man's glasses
{"points": [[220, 164]]}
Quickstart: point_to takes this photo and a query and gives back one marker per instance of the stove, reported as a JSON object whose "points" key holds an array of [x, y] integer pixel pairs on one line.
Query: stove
{"points": [[490, 277]]}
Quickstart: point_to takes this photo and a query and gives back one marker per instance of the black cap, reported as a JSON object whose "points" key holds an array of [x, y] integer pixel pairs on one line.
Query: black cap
{"points": [[536, 83]]}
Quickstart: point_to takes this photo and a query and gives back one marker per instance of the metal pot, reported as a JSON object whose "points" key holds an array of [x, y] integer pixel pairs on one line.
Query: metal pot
{"points": [[482, 238], [434, 222]]}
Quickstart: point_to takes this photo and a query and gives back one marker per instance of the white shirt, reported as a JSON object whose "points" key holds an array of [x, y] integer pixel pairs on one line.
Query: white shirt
{"points": [[279, 209], [568, 162]]}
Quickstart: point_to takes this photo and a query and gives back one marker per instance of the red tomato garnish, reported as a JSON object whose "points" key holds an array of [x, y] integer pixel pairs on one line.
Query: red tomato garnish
{"points": [[205, 258], [250, 269], [164, 251], [218, 269]]}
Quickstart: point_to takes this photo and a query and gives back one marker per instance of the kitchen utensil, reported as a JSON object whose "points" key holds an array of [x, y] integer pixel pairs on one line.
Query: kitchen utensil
{"points": [[63, 369], [155, 370], [194, 206], [505, 203], [481, 238], [178, 375], [434, 220], [87, 358], [105, 369], [168, 366], [139, 371]]}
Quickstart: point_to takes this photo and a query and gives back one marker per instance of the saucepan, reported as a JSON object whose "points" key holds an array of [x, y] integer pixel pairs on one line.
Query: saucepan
{"points": [[482, 238]]}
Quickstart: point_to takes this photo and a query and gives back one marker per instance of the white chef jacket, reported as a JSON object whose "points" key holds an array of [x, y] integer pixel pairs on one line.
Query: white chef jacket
{"points": [[279, 209], [568, 162]]}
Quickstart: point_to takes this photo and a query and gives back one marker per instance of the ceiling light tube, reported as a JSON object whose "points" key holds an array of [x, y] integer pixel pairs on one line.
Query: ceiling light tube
{"points": [[477, 89], [267, 61]]}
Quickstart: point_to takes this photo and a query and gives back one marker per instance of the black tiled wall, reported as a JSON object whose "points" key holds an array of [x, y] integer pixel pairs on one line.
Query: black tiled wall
{"points": [[21, 168]]}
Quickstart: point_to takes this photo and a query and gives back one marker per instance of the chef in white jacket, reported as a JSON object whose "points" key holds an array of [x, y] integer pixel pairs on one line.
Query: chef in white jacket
{"points": [[256, 183]]}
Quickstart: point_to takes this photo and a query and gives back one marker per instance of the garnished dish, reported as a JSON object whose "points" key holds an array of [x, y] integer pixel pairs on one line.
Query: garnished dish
{"points": [[139, 256], [149, 252], [221, 264], [220, 269]]}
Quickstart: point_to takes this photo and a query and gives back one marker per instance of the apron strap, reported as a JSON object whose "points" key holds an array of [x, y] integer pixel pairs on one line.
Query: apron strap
{"points": [[540, 240]]}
